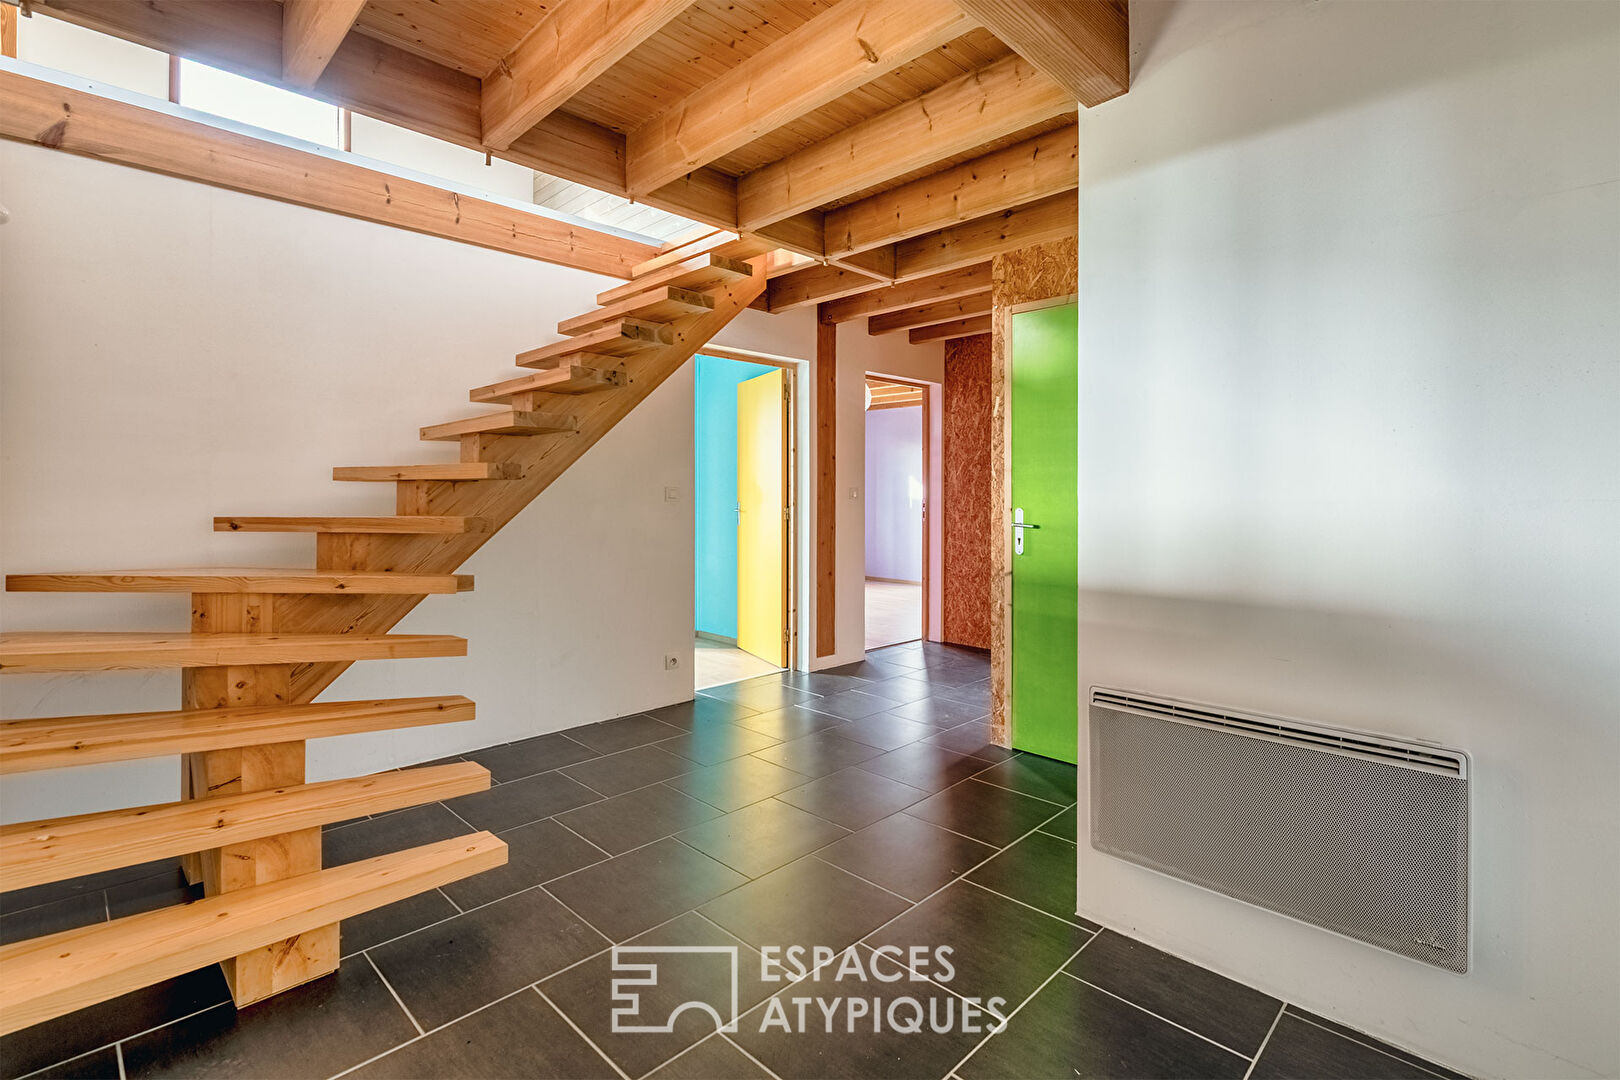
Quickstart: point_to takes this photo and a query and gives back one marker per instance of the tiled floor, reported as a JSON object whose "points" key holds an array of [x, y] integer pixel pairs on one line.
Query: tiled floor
{"points": [[893, 613], [715, 662], [861, 811]]}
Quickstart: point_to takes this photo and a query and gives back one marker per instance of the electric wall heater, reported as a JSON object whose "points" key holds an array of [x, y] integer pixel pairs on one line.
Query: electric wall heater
{"points": [[1357, 833]]}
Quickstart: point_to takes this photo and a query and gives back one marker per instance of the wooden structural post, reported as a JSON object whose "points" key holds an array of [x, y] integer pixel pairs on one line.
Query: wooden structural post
{"points": [[826, 485]]}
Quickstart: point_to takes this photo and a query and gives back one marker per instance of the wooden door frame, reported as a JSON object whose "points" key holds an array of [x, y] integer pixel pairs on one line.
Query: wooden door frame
{"points": [[792, 442], [927, 480]]}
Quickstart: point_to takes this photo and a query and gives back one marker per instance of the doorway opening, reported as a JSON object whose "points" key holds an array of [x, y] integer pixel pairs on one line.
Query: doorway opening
{"points": [[742, 519], [897, 428]]}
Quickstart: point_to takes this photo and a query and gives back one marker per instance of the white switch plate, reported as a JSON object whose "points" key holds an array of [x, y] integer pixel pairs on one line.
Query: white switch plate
{"points": [[672, 494]]}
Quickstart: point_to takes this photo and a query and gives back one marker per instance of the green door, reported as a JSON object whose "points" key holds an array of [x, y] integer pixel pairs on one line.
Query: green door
{"points": [[1045, 482]]}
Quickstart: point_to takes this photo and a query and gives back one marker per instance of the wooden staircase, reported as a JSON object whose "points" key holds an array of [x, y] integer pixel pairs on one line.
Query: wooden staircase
{"points": [[264, 642]]}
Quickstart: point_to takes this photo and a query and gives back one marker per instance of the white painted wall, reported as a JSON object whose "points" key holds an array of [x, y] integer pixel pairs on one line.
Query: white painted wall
{"points": [[1349, 452]]}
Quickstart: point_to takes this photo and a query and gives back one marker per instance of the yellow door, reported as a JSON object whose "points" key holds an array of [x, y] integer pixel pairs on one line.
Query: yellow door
{"points": [[762, 525]]}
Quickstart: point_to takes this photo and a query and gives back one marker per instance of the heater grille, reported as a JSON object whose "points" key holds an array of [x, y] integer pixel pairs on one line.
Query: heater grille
{"points": [[1353, 832]]}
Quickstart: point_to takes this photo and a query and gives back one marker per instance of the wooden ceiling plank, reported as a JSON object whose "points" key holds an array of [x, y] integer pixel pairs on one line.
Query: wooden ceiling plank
{"points": [[1082, 45], [311, 31], [1051, 218], [965, 113], [829, 56], [979, 324], [941, 311], [947, 286], [576, 42], [1045, 165]]}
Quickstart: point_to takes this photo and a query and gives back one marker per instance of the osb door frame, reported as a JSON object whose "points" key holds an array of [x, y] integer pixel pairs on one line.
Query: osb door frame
{"points": [[1044, 275]]}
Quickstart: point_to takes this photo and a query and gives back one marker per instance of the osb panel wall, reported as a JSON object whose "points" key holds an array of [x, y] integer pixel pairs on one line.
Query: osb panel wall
{"points": [[1041, 272], [967, 521]]}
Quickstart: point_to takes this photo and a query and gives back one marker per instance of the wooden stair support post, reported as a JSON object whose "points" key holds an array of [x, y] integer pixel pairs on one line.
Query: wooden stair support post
{"points": [[269, 969]]}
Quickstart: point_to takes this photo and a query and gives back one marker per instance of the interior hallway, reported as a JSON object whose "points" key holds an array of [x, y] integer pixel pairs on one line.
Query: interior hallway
{"points": [[893, 613]]}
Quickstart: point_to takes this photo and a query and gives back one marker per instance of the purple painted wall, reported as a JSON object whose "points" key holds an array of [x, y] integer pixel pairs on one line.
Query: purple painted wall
{"points": [[894, 493]]}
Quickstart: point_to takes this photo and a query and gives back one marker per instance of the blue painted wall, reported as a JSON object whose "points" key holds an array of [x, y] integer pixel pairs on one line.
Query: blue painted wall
{"points": [[714, 495]]}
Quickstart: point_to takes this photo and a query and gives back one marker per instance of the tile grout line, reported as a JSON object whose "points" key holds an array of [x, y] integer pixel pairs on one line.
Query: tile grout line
{"points": [[1166, 1019], [118, 1051], [1275, 1020], [1368, 1045], [582, 836], [588, 1040], [115, 1043], [1032, 996], [430, 1031], [459, 909], [1032, 907], [816, 855], [394, 994]]}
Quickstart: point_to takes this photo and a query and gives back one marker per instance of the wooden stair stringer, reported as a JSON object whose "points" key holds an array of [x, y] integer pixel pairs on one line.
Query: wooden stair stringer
{"points": [[541, 461]]}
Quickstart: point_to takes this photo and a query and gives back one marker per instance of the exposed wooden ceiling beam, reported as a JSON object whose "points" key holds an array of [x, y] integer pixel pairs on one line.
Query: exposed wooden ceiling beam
{"points": [[1051, 218], [908, 294], [979, 324], [576, 41], [827, 57], [813, 285], [311, 31], [1030, 170], [1082, 45], [965, 113], [941, 311]]}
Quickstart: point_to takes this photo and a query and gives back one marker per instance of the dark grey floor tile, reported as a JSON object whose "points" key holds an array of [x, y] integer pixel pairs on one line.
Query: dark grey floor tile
{"points": [[821, 682], [907, 855], [625, 733], [938, 712], [1299, 1048], [1030, 774], [818, 754], [452, 968], [762, 695], [97, 1065], [372, 928], [870, 670], [986, 964], [971, 738], [529, 756], [99, 1025], [67, 913], [712, 1059], [628, 770], [901, 690], [34, 895], [807, 903], [792, 722], [714, 743], [701, 711], [1069, 1030], [519, 1036], [850, 704], [149, 894], [985, 812], [1038, 870], [1066, 825], [631, 893], [884, 731], [975, 694], [732, 785], [760, 837], [585, 993], [828, 1049], [908, 655], [1214, 1006], [536, 852], [393, 832], [930, 768], [506, 806], [950, 674], [316, 1029], [638, 817], [853, 798]]}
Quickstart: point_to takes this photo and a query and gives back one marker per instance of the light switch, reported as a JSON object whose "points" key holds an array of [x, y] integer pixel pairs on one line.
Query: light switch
{"points": [[672, 494]]}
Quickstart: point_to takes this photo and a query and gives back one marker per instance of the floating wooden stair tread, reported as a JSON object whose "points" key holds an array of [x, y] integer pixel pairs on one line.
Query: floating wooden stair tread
{"points": [[39, 852], [570, 379], [58, 973], [239, 580], [29, 651], [505, 422], [663, 304], [699, 273], [625, 337], [701, 244], [400, 524], [57, 742], [453, 471]]}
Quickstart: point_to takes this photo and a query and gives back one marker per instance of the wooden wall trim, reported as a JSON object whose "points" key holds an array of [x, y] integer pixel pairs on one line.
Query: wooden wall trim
{"points": [[1040, 272], [8, 31], [33, 110], [826, 375]]}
